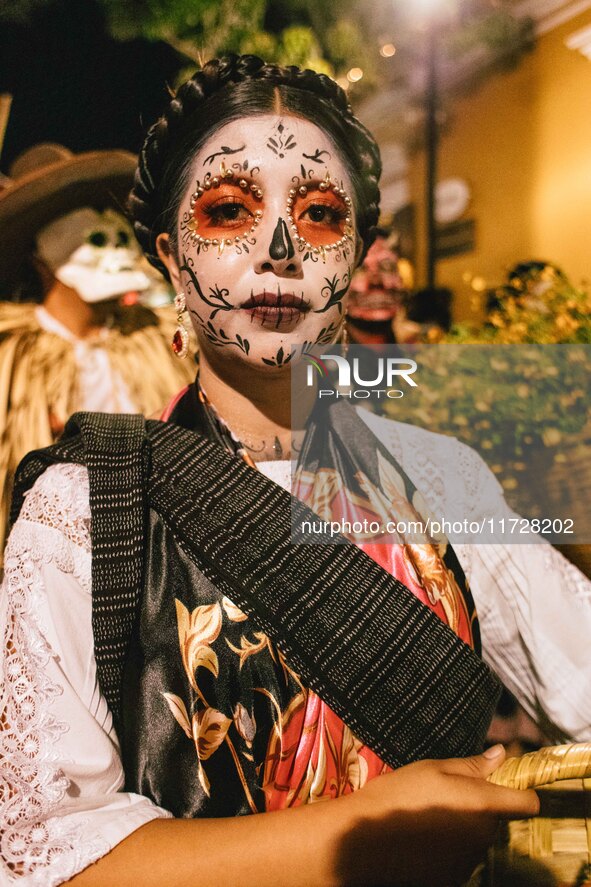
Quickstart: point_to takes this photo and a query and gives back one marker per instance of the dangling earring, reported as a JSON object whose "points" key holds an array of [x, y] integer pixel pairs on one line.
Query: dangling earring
{"points": [[344, 339], [180, 340]]}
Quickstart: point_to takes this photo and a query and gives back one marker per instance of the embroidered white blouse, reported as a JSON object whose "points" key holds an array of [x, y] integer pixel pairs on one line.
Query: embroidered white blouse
{"points": [[61, 804]]}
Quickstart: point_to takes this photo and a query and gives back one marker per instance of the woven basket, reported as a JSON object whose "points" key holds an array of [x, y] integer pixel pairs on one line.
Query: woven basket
{"points": [[560, 837]]}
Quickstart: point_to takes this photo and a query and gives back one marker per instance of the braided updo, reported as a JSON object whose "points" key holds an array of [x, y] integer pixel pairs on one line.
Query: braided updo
{"points": [[234, 87]]}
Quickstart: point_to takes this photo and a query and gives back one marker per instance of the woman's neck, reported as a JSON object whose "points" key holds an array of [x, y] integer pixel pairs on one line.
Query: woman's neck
{"points": [[255, 403]]}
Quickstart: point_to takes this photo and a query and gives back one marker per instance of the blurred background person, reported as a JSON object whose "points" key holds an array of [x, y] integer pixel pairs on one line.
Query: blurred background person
{"points": [[424, 316], [376, 293], [74, 334]]}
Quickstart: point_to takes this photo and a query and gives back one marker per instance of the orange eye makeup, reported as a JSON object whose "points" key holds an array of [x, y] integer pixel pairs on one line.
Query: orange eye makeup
{"points": [[225, 209], [319, 214]]}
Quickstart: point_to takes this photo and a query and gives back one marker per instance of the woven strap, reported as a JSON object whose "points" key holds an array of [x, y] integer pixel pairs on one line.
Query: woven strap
{"points": [[114, 450], [385, 663]]}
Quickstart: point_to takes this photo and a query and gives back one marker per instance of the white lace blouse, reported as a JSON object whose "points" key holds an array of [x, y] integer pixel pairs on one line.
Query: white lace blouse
{"points": [[61, 804]]}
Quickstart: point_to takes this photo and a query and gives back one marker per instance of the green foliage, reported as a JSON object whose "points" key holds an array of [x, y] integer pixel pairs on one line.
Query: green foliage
{"points": [[198, 29], [523, 408], [202, 29], [546, 309]]}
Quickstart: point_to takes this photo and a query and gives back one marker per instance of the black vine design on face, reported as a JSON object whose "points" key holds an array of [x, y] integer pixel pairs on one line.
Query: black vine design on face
{"points": [[327, 334], [219, 337], [305, 173], [217, 298], [317, 156], [280, 143], [281, 246], [336, 289], [243, 246], [224, 150], [339, 255], [243, 166], [280, 359]]}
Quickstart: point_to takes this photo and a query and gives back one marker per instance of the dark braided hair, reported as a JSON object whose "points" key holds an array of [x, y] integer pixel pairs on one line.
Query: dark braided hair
{"points": [[227, 89]]}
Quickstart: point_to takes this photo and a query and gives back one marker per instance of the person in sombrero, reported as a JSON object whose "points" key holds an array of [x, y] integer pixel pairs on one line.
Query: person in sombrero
{"points": [[72, 334]]}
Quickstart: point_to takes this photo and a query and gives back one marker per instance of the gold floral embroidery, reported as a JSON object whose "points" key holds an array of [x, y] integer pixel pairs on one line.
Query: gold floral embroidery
{"points": [[179, 711], [438, 581], [249, 648], [232, 611], [208, 727], [196, 631], [209, 731]]}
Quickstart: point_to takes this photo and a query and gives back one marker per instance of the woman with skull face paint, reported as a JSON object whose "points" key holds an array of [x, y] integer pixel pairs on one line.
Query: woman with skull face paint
{"points": [[215, 640]]}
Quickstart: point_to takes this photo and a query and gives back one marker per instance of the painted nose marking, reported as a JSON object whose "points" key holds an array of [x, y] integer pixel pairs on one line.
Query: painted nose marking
{"points": [[281, 244]]}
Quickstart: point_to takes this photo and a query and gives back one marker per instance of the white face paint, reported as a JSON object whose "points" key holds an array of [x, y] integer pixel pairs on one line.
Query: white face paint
{"points": [[266, 239]]}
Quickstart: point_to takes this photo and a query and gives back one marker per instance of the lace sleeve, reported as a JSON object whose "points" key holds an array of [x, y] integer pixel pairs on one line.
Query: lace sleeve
{"points": [[60, 771]]}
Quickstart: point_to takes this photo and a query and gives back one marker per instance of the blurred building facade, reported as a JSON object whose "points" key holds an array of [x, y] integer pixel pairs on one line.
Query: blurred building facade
{"points": [[521, 143]]}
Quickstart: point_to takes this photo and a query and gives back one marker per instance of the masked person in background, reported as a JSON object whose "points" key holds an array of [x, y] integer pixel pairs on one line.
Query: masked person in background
{"points": [[376, 294], [72, 333]]}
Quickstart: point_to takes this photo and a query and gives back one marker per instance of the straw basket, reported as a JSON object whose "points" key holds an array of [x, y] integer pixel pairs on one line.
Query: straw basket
{"points": [[560, 837]]}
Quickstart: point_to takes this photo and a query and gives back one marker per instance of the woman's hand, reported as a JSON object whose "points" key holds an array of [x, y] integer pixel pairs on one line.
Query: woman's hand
{"points": [[428, 823]]}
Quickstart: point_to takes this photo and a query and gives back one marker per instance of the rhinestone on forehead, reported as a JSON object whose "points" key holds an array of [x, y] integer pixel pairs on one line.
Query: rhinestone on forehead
{"points": [[209, 182], [325, 185]]}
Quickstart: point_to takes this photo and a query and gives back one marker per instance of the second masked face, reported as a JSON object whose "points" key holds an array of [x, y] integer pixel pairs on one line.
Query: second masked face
{"points": [[267, 239]]}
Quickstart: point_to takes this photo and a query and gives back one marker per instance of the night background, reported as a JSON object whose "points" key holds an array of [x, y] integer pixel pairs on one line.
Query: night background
{"points": [[74, 84]]}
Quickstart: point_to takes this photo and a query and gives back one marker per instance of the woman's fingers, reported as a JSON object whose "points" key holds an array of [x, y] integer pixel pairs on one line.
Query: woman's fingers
{"points": [[511, 803], [508, 803], [479, 766]]}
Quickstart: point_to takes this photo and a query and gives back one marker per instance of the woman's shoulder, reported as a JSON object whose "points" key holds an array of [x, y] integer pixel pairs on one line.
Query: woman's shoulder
{"points": [[58, 501], [435, 462], [402, 436]]}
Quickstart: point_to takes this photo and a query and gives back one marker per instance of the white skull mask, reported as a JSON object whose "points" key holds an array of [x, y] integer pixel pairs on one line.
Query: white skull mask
{"points": [[94, 253]]}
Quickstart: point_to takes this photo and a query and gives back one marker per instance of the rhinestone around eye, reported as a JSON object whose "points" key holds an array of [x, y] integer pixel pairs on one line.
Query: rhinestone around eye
{"points": [[302, 190]]}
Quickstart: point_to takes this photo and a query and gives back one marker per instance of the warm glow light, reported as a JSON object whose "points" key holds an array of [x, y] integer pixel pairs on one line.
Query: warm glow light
{"points": [[387, 50], [354, 75], [343, 83], [423, 7]]}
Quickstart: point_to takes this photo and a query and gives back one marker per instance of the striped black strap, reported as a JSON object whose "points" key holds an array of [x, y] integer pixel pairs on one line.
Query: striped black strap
{"points": [[114, 449]]}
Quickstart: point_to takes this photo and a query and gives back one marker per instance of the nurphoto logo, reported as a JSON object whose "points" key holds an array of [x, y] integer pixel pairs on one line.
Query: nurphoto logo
{"points": [[349, 382]]}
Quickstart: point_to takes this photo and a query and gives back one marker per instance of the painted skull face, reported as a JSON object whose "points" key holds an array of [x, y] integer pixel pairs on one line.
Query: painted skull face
{"points": [[266, 239]]}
